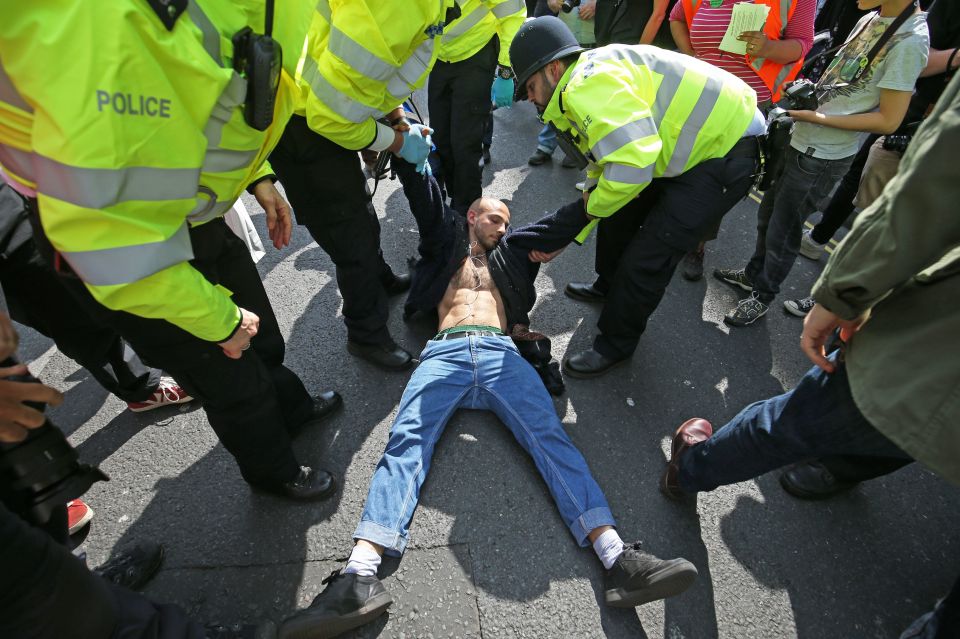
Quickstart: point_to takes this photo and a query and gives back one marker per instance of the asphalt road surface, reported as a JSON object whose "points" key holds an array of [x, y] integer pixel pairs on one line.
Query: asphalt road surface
{"points": [[489, 556]]}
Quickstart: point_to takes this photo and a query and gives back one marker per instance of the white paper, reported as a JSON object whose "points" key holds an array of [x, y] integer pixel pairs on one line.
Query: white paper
{"points": [[746, 16]]}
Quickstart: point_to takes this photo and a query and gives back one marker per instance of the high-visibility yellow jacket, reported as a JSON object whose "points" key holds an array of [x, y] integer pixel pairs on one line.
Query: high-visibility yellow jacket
{"points": [[640, 112], [361, 59], [479, 21], [127, 133]]}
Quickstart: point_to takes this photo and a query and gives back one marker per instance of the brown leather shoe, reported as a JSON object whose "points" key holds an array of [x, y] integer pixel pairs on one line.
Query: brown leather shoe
{"points": [[691, 432]]}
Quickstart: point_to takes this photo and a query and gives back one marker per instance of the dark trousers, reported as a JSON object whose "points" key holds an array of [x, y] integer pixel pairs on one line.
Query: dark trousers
{"points": [[841, 204], [459, 101], [37, 299], [803, 182], [328, 193], [639, 246], [47, 593], [817, 418], [251, 402]]}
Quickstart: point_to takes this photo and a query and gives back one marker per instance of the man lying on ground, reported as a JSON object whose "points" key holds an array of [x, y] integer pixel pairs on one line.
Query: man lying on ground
{"points": [[480, 279]]}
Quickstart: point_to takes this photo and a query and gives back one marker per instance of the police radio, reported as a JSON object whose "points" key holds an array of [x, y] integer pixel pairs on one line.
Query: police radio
{"points": [[258, 58]]}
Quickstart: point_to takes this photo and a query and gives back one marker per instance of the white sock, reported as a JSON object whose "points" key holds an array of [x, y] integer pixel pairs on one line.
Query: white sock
{"points": [[363, 561], [608, 547]]}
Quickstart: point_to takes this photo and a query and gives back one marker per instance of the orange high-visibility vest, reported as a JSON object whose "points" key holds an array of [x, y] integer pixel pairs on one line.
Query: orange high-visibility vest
{"points": [[773, 74]]}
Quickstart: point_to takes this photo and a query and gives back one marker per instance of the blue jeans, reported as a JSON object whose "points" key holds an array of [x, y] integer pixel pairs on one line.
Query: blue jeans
{"points": [[804, 182], [815, 419], [481, 373], [547, 140]]}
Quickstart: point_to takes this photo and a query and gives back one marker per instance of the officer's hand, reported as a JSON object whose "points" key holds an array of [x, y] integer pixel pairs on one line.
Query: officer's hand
{"points": [[8, 337], [542, 257], [249, 324], [501, 93], [279, 222], [15, 416], [416, 146], [818, 326]]}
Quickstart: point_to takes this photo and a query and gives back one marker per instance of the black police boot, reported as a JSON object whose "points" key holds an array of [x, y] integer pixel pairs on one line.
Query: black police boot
{"points": [[132, 567], [386, 356], [309, 485], [638, 578], [324, 405], [585, 292], [590, 364], [348, 601], [399, 284]]}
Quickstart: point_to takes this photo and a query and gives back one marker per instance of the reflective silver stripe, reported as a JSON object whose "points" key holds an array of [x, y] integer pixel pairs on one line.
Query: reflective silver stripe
{"points": [[462, 24], [125, 264], [18, 163], [223, 160], [636, 130], [217, 159], [508, 8], [343, 105], [411, 70], [627, 174], [323, 8], [784, 15], [691, 128], [589, 183], [9, 94], [671, 72], [208, 209], [211, 37], [359, 59], [101, 188]]}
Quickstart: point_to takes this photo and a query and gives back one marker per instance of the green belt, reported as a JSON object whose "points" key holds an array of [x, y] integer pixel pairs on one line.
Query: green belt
{"points": [[469, 327]]}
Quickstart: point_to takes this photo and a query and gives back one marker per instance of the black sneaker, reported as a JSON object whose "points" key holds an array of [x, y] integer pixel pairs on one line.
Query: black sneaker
{"points": [[538, 158], [799, 307], [734, 277], [348, 601], [265, 630], [132, 567], [638, 578], [748, 311]]}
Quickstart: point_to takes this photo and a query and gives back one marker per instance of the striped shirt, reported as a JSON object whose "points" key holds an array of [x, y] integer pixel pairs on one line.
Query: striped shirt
{"points": [[710, 23]]}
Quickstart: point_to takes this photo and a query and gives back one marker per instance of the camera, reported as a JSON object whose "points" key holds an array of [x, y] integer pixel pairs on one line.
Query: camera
{"points": [[568, 5], [800, 95], [258, 58], [41, 473]]}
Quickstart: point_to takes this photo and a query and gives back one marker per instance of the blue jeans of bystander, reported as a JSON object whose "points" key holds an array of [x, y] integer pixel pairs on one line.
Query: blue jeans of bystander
{"points": [[817, 418]]}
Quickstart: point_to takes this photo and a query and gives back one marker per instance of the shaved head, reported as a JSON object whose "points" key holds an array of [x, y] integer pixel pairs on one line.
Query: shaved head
{"points": [[487, 219]]}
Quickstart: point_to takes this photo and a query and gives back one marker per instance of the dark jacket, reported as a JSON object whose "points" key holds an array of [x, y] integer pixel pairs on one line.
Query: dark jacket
{"points": [[444, 245]]}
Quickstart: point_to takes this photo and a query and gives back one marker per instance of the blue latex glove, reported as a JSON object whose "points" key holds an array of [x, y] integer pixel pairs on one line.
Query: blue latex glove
{"points": [[416, 147], [502, 92]]}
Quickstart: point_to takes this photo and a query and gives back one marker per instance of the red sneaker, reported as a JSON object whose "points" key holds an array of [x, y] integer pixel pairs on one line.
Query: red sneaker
{"points": [[167, 393], [78, 515]]}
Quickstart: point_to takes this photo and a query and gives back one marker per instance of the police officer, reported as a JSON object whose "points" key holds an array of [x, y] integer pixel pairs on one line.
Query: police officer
{"points": [[131, 153], [363, 59], [459, 94], [670, 147]]}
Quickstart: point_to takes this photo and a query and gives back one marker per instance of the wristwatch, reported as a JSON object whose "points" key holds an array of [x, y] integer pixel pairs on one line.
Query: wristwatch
{"points": [[504, 72]]}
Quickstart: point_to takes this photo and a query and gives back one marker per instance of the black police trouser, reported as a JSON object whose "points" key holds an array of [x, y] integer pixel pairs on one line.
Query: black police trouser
{"points": [[37, 299], [47, 593], [459, 101], [639, 246], [251, 402], [328, 192]]}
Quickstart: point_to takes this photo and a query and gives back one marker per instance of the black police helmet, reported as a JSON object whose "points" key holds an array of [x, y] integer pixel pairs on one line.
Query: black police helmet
{"points": [[537, 43]]}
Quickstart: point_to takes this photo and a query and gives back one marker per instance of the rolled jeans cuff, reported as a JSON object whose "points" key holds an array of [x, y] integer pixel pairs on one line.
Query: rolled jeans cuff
{"points": [[393, 542], [588, 521]]}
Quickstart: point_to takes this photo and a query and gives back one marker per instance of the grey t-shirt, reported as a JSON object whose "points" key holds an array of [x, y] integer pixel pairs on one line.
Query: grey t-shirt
{"points": [[895, 67]]}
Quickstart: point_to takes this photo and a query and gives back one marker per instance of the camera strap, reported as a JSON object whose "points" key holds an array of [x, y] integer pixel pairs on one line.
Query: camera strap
{"points": [[877, 47]]}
